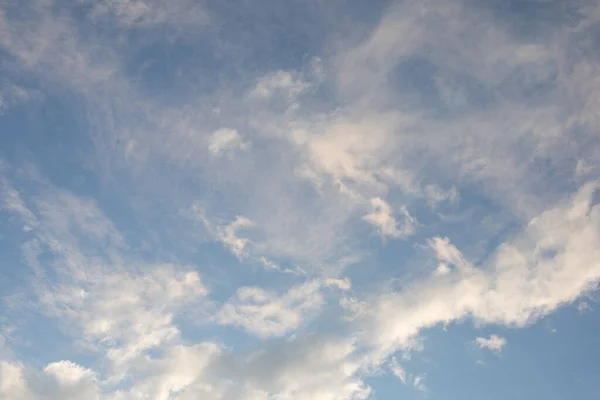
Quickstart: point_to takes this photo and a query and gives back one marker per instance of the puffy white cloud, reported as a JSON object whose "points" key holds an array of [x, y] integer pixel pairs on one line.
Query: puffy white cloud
{"points": [[494, 343], [73, 381], [12, 382], [178, 374], [59, 380]]}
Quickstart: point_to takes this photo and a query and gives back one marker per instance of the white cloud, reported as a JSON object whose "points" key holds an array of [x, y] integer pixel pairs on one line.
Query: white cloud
{"points": [[60, 380], [12, 381], [551, 263], [225, 140], [272, 266], [13, 95], [67, 372], [494, 343], [442, 269], [110, 301], [416, 381], [447, 253], [148, 13], [12, 202], [315, 368], [381, 216], [74, 381], [363, 148], [398, 370], [178, 374], [419, 384], [286, 83], [45, 43], [229, 236], [584, 307], [312, 368], [340, 151], [266, 314], [125, 314]]}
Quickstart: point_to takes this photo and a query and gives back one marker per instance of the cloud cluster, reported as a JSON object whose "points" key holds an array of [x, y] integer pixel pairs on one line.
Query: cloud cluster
{"points": [[437, 111], [494, 343], [551, 263]]}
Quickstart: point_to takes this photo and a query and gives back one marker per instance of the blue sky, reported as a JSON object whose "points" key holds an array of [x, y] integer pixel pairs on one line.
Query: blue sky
{"points": [[311, 200]]}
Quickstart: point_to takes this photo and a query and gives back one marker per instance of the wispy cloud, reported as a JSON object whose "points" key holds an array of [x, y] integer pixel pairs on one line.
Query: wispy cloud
{"points": [[224, 140], [149, 13], [416, 381], [494, 343], [269, 314], [229, 236], [290, 157], [381, 216], [285, 83]]}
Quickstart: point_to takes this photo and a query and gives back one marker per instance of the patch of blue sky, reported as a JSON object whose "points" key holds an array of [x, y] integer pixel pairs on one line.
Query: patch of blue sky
{"points": [[522, 369]]}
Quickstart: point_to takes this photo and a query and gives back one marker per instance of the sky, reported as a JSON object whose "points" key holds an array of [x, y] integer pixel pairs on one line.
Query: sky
{"points": [[301, 199]]}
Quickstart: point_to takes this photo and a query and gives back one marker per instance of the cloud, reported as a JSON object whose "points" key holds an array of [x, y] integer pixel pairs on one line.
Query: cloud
{"points": [[228, 235], [381, 216], [550, 264], [447, 253], [74, 381], [494, 343], [467, 139], [149, 13], [268, 314], [584, 307], [416, 381], [59, 380], [115, 304], [12, 202], [45, 43], [509, 124], [314, 367], [12, 382], [270, 265], [225, 140], [126, 314], [12, 95], [180, 373], [286, 83]]}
